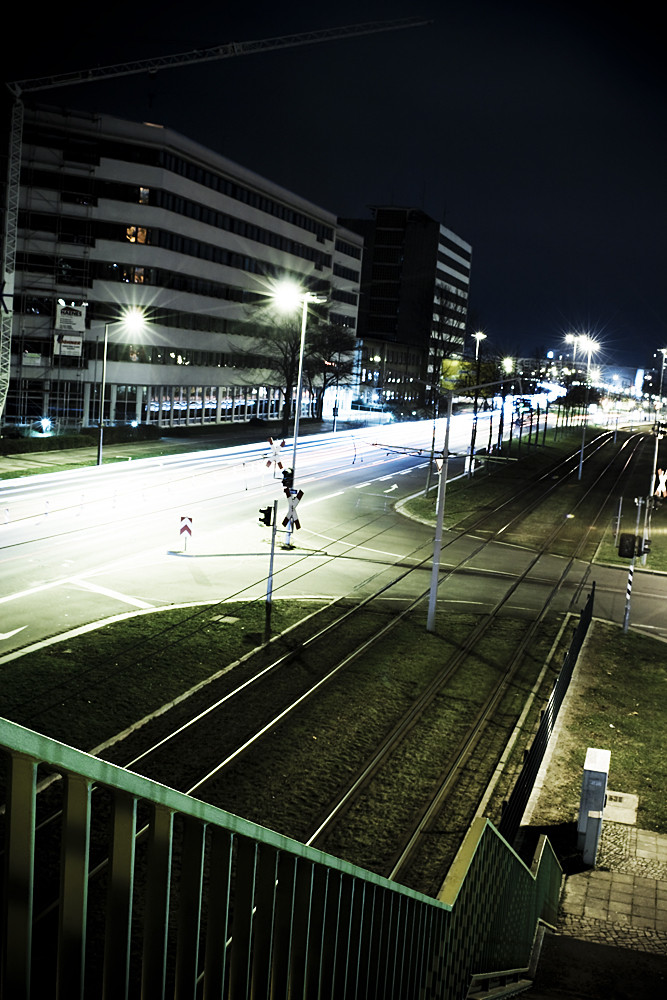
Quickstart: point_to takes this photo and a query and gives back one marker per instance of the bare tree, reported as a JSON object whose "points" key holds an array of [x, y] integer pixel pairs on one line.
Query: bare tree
{"points": [[278, 344], [330, 360]]}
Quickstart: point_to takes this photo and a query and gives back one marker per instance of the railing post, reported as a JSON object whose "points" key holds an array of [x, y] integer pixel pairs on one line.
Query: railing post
{"points": [[157, 903], [74, 887], [18, 901], [217, 927], [119, 903], [189, 908]]}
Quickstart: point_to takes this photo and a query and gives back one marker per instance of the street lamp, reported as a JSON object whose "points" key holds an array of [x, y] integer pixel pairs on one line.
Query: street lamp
{"points": [[288, 296], [479, 336], [573, 338], [590, 346], [134, 320], [662, 351]]}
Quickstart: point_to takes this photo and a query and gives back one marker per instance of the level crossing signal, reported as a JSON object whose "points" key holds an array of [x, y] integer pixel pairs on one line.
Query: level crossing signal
{"points": [[265, 515], [275, 453], [292, 501], [288, 479], [626, 545], [630, 546]]}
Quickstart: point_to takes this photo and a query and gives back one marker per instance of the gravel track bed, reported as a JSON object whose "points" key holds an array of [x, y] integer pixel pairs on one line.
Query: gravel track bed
{"points": [[298, 769]]}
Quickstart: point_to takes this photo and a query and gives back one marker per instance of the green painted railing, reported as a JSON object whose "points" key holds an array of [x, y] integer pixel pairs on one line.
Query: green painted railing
{"points": [[136, 890]]}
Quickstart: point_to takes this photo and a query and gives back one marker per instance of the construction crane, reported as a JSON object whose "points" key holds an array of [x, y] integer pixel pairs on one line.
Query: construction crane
{"points": [[20, 87]]}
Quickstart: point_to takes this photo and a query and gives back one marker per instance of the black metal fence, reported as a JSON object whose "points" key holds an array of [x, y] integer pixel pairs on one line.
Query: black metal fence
{"points": [[515, 806]]}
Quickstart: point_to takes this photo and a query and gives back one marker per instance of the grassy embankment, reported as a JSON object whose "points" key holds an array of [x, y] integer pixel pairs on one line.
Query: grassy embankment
{"points": [[150, 658]]}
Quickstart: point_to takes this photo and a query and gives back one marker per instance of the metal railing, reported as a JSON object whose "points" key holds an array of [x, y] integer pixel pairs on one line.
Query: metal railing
{"points": [[137, 890], [515, 806]]}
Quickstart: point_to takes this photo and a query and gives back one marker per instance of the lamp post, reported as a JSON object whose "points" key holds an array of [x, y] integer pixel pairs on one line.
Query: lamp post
{"points": [[589, 346], [478, 337], [651, 489], [663, 351], [287, 297], [135, 320], [573, 338]]}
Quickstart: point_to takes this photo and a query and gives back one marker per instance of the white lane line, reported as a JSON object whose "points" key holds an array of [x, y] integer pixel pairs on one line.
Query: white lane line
{"points": [[80, 583], [352, 545], [33, 590], [111, 593], [328, 497]]}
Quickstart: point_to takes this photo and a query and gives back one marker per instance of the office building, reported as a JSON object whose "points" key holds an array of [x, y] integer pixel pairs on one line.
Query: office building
{"points": [[116, 214]]}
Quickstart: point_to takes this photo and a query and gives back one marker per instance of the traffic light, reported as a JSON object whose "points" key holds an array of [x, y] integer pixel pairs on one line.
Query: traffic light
{"points": [[288, 478], [644, 547], [265, 515], [626, 546]]}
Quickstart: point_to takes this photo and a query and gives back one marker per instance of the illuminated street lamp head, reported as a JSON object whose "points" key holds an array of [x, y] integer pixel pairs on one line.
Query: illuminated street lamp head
{"points": [[478, 337], [288, 296], [133, 318]]}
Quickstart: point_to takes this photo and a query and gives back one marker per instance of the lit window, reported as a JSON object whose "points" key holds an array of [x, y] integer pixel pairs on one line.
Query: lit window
{"points": [[144, 195], [136, 234]]}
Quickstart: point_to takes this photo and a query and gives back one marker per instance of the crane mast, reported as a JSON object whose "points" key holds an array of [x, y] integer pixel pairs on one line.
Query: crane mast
{"points": [[153, 65]]}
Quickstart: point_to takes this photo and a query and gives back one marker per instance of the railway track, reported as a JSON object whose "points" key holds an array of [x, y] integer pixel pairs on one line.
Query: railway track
{"points": [[229, 744]]}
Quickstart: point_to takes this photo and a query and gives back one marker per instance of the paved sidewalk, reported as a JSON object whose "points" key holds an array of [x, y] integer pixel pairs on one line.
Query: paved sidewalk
{"points": [[623, 900], [611, 938]]}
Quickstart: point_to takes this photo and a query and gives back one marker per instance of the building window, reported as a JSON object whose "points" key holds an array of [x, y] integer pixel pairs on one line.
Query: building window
{"points": [[137, 234], [144, 194]]}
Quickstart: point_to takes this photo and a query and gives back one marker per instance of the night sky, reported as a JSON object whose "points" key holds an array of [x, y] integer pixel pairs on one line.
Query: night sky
{"points": [[536, 131]]}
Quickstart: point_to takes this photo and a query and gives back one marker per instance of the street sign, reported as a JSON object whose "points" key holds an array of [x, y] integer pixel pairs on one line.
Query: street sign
{"points": [[291, 517], [275, 453], [186, 530]]}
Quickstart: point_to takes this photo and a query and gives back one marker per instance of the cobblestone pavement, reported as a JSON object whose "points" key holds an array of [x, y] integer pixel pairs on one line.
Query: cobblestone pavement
{"points": [[623, 900]]}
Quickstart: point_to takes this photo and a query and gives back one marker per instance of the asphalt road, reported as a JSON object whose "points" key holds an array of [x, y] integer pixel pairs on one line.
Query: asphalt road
{"points": [[84, 546]]}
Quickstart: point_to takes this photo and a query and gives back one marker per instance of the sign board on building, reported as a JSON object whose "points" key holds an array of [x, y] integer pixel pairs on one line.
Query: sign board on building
{"points": [[72, 318], [67, 345]]}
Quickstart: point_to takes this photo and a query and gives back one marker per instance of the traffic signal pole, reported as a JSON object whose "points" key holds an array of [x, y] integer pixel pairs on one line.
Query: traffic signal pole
{"points": [[269, 582], [631, 569], [437, 545]]}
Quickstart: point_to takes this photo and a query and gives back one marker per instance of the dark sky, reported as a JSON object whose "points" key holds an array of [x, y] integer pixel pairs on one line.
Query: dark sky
{"points": [[536, 131]]}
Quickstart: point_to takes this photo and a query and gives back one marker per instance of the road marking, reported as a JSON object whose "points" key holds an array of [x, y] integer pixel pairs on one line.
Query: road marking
{"points": [[352, 545], [329, 497], [33, 590], [8, 635], [111, 593], [81, 583]]}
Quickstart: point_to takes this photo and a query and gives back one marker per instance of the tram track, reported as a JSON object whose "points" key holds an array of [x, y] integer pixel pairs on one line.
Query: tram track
{"points": [[406, 722]]}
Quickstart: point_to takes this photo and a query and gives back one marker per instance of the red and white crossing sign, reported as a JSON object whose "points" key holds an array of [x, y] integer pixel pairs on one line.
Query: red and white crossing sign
{"points": [[275, 453], [291, 517]]}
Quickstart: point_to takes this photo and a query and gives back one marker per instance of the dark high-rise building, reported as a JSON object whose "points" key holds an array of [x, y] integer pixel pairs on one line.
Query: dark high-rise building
{"points": [[414, 301]]}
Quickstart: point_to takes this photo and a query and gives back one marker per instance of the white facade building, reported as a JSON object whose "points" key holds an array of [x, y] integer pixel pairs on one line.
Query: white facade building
{"points": [[115, 214]]}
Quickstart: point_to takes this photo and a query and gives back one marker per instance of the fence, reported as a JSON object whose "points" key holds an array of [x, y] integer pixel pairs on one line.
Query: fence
{"points": [[138, 890], [518, 800]]}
